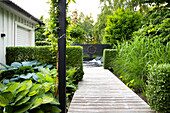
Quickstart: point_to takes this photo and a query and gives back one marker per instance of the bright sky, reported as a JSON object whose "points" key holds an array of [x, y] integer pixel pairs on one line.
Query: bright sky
{"points": [[39, 7]]}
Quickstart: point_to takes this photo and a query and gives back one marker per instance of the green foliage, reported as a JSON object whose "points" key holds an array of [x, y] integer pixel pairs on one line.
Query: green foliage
{"points": [[44, 55], [28, 87], [75, 59], [157, 2], [77, 33], [108, 57], [158, 92], [100, 25], [81, 28], [24, 70], [42, 43], [86, 23], [133, 58], [39, 33], [20, 54], [71, 87], [156, 25], [121, 25]]}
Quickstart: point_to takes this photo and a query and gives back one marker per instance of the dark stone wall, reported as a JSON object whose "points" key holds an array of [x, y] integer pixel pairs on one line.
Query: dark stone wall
{"points": [[99, 48]]}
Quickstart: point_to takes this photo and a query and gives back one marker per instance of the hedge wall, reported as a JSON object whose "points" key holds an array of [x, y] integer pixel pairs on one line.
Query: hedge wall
{"points": [[43, 54], [20, 54], [158, 88], [108, 57], [42, 43]]}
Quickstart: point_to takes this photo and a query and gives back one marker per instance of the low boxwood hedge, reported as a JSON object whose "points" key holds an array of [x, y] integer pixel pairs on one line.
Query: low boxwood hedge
{"points": [[42, 43], [43, 54], [158, 88], [108, 57]]}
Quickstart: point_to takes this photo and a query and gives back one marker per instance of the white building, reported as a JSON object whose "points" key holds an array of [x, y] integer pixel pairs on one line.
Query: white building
{"points": [[16, 27]]}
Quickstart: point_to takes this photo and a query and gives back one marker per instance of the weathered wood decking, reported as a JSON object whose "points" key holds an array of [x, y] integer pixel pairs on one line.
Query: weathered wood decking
{"points": [[102, 92]]}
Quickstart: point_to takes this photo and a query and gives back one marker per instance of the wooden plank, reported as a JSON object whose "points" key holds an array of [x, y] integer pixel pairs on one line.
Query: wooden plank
{"points": [[102, 92]]}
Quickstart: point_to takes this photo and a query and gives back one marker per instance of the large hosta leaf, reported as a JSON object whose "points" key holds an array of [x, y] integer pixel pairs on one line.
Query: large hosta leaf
{"points": [[2, 87], [23, 108], [6, 98], [21, 95], [47, 86], [28, 83], [34, 90], [13, 87], [37, 102], [48, 78], [22, 88], [22, 101], [4, 65], [32, 93], [16, 64], [47, 98], [27, 76], [55, 102]]}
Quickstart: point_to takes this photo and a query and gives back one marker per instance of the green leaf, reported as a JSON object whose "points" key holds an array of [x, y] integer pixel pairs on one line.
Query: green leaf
{"points": [[4, 65], [47, 86], [37, 102], [35, 87], [25, 68], [44, 70], [48, 78], [23, 108], [13, 87], [32, 93], [28, 76], [47, 99], [21, 95], [27, 64], [2, 87], [28, 83], [23, 87], [22, 101], [49, 66], [6, 98], [16, 65], [55, 101], [35, 77]]}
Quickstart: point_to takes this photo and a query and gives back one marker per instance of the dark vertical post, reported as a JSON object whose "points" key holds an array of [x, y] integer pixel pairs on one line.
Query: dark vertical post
{"points": [[62, 55]]}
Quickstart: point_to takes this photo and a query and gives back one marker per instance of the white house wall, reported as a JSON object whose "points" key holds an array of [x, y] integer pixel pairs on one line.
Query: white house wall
{"points": [[9, 21]]}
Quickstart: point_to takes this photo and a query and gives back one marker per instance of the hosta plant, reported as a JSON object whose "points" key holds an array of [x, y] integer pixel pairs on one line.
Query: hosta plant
{"points": [[28, 87]]}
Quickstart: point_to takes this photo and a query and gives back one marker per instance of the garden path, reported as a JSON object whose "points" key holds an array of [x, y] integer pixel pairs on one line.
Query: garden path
{"points": [[102, 92]]}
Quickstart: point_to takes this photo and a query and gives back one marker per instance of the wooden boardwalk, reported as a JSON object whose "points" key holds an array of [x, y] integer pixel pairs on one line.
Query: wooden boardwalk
{"points": [[102, 92]]}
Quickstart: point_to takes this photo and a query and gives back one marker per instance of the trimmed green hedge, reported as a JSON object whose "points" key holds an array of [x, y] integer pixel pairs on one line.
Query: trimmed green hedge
{"points": [[44, 55], [158, 88], [108, 57], [20, 54], [42, 43]]}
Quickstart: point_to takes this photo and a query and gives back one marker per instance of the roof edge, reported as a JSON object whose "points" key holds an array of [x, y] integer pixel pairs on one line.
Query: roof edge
{"points": [[18, 8]]}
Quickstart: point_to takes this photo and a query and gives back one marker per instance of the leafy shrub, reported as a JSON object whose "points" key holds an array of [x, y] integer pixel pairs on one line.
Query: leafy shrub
{"points": [[20, 54], [156, 25], [75, 59], [158, 88], [150, 45], [122, 25], [28, 87], [42, 43], [77, 33], [108, 57], [43, 54]]}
